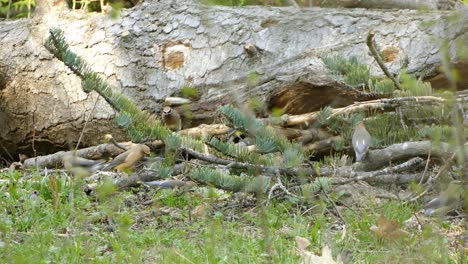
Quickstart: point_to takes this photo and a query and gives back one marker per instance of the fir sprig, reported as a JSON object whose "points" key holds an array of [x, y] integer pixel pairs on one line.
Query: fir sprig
{"points": [[240, 153], [267, 139], [259, 184]]}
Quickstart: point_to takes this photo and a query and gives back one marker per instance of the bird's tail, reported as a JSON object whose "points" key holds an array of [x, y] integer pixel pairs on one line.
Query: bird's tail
{"points": [[358, 156], [99, 166], [110, 165]]}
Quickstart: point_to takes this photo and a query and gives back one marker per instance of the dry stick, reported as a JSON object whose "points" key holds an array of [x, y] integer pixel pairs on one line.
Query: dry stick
{"points": [[311, 208], [334, 206], [277, 185], [427, 165], [86, 122], [115, 143], [398, 168], [387, 103], [375, 54], [239, 165], [376, 105], [402, 122], [449, 161]]}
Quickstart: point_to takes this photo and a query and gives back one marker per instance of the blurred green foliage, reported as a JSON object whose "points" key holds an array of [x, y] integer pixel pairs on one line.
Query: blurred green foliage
{"points": [[12, 9]]}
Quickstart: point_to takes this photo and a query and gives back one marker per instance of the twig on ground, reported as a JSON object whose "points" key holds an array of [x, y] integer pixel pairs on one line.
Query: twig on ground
{"points": [[426, 167], [410, 164], [402, 122], [279, 185], [429, 182], [334, 206]]}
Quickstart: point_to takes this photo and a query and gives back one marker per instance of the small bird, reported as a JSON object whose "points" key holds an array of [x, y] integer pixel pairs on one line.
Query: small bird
{"points": [[81, 166], [361, 141], [129, 158], [447, 200], [171, 119], [170, 184]]}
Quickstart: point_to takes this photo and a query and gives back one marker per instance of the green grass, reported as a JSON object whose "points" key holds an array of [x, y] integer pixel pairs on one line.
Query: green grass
{"points": [[122, 228]]}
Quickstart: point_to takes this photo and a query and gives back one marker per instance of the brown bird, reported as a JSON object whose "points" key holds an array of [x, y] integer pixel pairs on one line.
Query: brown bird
{"points": [[171, 119], [129, 158], [81, 166], [361, 141]]}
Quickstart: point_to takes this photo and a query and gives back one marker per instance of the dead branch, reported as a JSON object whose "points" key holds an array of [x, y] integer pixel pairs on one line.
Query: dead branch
{"points": [[230, 164], [102, 151], [431, 179], [386, 104], [202, 130], [401, 152], [205, 130], [379, 105], [278, 185], [375, 54], [412, 164], [145, 176]]}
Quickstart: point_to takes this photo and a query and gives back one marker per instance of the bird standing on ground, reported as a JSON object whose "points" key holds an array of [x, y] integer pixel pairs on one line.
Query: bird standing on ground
{"points": [[129, 158], [171, 119], [361, 141], [447, 200], [81, 166]]}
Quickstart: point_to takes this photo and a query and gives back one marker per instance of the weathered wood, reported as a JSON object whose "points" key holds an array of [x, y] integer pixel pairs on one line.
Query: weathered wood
{"points": [[102, 151], [158, 47], [397, 4]]}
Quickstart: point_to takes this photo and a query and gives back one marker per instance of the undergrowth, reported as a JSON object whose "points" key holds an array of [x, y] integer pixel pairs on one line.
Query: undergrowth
{"points": [[237, 228]]}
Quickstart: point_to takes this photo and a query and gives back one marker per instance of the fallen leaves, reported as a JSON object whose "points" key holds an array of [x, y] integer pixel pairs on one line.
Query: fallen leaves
{"points": [[309, 258], [387, 229], [199, 212]]}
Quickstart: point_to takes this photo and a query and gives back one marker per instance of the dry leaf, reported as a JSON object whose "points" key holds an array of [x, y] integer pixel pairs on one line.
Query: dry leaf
{"points": [[302, 244], [199, 212], [326, 257], [387, 229]]}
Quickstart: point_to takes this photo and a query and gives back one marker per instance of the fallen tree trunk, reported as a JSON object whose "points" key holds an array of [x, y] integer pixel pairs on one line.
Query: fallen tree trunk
{"points": [[157, 48], [397, 4]]}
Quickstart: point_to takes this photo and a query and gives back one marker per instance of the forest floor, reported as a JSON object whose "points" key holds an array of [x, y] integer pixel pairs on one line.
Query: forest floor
{"points": [[49, 219]]}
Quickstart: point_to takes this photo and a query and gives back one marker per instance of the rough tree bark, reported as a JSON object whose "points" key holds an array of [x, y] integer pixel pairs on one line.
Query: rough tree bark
{"points": [[158, 47]]}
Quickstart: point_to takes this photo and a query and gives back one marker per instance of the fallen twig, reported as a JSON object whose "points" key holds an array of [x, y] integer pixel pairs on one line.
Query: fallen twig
{"points": [[54, 160], [429, 182], [277, 185], [411, 164]]}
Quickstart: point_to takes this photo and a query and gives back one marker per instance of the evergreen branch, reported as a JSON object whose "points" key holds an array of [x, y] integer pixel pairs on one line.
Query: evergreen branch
{"points": [[267, 139], [269, 170], [238, 152], [314, 187], [233, 183], [139, 125]]}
